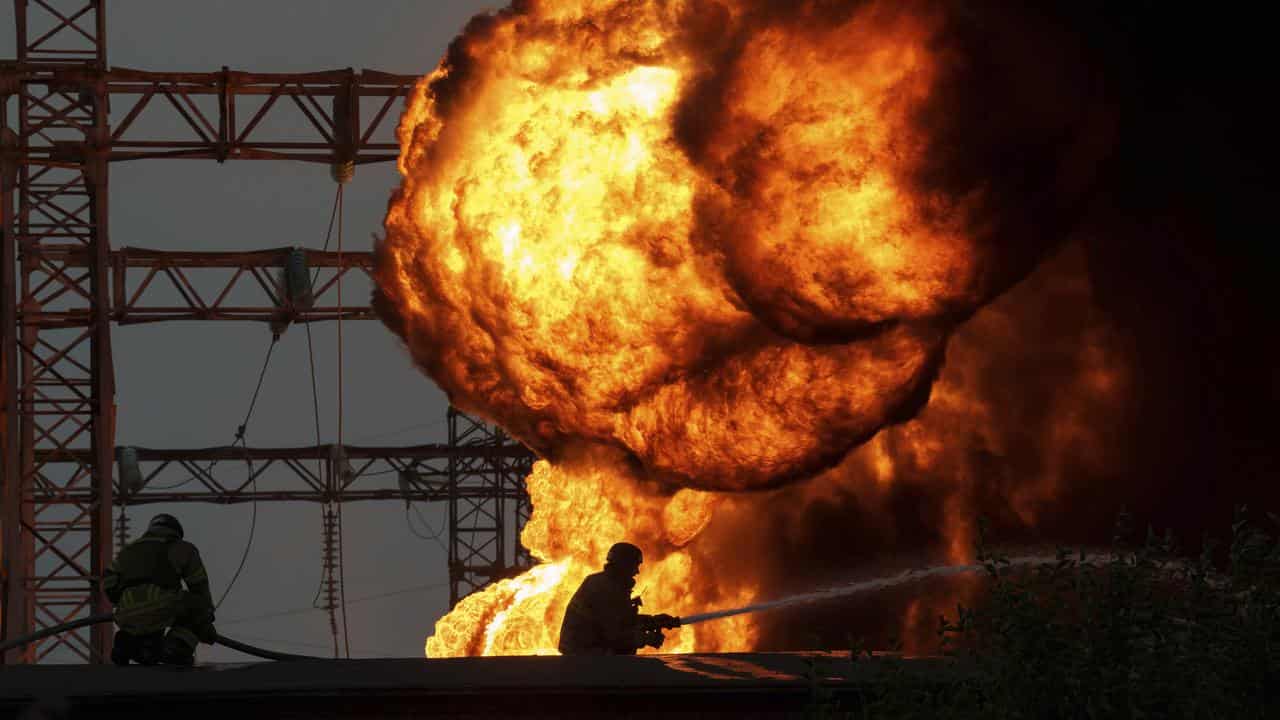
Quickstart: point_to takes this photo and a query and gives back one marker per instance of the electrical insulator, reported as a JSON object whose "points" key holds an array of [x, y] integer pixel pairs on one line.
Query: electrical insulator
{"points": [[342, 171], [130, 473], [297, 279], [338, 458], [405, 478]]}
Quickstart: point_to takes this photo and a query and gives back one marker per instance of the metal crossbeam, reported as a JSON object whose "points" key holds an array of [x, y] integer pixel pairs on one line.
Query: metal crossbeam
{"points": [[157, 285], [330, 117], [231, 475]]}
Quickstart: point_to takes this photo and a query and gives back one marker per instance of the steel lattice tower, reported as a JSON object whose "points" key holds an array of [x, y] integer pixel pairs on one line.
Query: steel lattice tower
{"points": [[64, 284]]}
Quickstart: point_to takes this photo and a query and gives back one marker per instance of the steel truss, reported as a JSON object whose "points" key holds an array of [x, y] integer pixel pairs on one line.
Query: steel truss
{"points": [[157, 285], [221, 115], [58, 386], [64, 285], [325, 473], [488, 505]]}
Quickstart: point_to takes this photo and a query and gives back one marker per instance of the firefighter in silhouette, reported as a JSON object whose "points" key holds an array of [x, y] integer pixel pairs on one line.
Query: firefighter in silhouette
{"points": [[145, 583], [603, 618]]}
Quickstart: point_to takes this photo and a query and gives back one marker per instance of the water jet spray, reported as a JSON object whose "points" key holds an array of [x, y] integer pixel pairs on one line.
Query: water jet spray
{"points": [[855, 588]]}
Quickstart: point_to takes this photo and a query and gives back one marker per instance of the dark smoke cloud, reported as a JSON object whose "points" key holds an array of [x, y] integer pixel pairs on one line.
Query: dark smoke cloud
{"points": [[1175, 237], [985, 143], [1132, 128], [1015, 121]]}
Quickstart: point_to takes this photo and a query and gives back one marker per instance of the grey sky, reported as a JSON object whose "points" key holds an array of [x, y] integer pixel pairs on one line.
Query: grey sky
{"points": [[187, 384]]}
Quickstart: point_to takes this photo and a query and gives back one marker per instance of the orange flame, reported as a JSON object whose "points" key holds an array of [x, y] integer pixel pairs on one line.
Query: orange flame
{"points": [[559, 263], [668, 303], [581, 507]]}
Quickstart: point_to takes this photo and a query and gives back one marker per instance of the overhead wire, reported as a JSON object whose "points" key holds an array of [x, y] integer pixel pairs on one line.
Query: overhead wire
{"points": [[328, 235], [336, 215], [278, 641], [315, 406], [214, 463], [271, 615], [356, 601], [326, 570], [180, 483], [372, 655], [379, 472], [401, 431], [248, 463], [342, 585], [433, 534], [239, 440]]}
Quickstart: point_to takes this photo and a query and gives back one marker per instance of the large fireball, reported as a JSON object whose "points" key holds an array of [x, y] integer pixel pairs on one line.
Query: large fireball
{"points": [[725, 240]]}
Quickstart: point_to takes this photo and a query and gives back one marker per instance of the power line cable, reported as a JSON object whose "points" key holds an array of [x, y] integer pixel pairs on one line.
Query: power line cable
{"points": [[401, 431], [314, 278], [342, 584], [328, 235], [315, 413], [432, 534], [326, 570], [299, 643], [356, 601], [278, 641], [270, 615], [180, 483], [401, 591], [253, 478], [207, 471]]}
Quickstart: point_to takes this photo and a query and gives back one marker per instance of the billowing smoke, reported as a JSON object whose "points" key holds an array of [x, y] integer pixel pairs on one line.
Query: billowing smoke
{"points": [[1027, 426], [892, 265], [730, 238]]}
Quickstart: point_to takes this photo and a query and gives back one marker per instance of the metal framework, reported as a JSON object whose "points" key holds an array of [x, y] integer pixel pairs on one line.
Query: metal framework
{"points": [[488, 504], [157, 285], [64, 286], [58, 388], [325, 473], [226, 114]]}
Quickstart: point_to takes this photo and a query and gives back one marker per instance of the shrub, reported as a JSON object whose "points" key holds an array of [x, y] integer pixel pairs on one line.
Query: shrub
{"points": [[1137, 633]]}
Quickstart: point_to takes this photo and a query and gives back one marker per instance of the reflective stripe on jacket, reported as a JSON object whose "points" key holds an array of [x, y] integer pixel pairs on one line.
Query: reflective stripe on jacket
{"points": [[147, 609], [145, 581]]}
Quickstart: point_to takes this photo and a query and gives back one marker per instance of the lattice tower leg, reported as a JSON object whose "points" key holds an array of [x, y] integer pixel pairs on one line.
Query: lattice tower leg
{"points": [[482, 524], [57, 504]]}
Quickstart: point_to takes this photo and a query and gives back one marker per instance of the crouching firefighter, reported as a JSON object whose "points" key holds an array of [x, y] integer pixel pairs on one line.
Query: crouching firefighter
{"points": [[603, 618], [145, 583]]}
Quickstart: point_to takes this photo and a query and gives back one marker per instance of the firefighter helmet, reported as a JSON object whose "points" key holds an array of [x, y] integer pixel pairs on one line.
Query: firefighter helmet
{"points": [[624, 554], [165, 520]]}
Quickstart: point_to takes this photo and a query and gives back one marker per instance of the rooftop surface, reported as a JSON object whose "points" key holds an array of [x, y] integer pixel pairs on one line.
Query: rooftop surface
{"points": [[746, 685]]}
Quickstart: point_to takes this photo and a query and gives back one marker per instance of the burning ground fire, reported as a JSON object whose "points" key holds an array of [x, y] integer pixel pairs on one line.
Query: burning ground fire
{"points": [[686, 250]]}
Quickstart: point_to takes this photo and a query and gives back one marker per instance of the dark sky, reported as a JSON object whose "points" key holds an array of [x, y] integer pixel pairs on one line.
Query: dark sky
{"points": [[188, 384]]}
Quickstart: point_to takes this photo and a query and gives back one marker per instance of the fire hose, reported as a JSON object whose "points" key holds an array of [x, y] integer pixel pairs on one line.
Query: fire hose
{"points": [[108, 617]]}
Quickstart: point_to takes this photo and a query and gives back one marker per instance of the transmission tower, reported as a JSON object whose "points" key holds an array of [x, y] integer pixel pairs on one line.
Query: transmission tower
{"points": [[64, 284], [484, 524]]}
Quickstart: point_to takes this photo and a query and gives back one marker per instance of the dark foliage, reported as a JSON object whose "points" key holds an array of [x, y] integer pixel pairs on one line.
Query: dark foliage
{"points": [[1141, 632]]}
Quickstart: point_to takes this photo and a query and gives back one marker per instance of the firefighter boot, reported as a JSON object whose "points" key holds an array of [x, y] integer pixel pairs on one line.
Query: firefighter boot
{"points": [[180, 648], [123, 648]]}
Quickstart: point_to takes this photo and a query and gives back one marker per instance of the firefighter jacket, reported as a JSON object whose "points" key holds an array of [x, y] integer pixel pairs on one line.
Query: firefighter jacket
{"points": [[602, 619], [145, 583]]}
